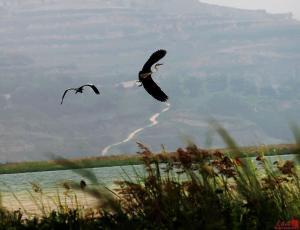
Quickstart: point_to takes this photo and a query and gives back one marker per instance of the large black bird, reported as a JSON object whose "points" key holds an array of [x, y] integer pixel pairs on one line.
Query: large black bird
{"points": [[145, 76], [80, 90]]}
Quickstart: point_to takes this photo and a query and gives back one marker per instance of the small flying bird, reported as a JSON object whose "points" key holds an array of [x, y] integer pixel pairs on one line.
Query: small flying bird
{"points": [[145, 76], [80, 90]]}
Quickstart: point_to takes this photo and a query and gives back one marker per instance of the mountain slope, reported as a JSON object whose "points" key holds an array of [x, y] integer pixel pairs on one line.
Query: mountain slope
{"points": [[239, 66]]}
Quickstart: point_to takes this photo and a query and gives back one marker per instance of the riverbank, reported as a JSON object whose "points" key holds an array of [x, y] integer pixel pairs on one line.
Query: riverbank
{"points": [[52, 165], [218, 192], [134, 159]]}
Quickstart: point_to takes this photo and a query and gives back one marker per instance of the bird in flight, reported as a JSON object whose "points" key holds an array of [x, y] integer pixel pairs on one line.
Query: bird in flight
{"points": [[145, 76], [80, 90]]}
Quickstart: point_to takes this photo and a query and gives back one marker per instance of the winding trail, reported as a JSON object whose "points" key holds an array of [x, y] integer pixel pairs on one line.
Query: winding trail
{"points": [[152, 119]]}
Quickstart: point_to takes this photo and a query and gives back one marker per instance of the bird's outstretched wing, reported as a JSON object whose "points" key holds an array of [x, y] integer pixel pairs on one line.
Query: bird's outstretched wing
{"points": [[65, 94], [155, 57], [93, 87], [153, 89]]}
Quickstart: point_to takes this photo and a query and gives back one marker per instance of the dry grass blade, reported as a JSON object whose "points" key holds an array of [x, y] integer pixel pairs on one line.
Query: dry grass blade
{"points": [[15, 196], [101, 193], [77, 168], [104, 196], [229, 141], [296, 132]]}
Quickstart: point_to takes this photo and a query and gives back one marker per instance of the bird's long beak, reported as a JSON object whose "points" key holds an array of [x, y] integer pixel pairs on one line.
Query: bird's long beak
{"points": [[156, 66]]}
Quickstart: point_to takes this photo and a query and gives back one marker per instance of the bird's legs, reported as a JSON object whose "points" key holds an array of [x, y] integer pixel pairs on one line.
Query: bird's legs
{"points": [[139, 82]]}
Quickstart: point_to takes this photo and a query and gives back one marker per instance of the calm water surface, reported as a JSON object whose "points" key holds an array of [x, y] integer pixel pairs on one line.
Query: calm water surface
{"points": [[19, 184], [52, 179]]}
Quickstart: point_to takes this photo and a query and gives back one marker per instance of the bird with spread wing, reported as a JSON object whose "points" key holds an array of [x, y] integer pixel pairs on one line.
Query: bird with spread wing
{"points": [[80, 90], [145, 76]]}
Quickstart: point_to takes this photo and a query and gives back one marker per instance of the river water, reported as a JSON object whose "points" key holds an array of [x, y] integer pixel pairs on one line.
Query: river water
{"points": [[17, 191], [19, 184], [153, 121]]}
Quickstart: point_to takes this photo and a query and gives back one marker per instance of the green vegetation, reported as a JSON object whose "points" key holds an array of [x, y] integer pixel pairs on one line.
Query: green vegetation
{"points": [[121, 160], [191, 188], [91, 162], [195, 188]]}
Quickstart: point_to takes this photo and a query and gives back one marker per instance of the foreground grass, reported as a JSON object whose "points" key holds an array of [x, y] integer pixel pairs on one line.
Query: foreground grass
{"points": [[191, 188], [121, 160]]}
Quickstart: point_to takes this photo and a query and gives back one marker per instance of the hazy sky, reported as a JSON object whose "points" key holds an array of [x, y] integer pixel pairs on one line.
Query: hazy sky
{"points": [[273, 6]]}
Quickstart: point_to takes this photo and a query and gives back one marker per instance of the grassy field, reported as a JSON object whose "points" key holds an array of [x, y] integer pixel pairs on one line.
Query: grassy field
{"points": [[120, 160]]}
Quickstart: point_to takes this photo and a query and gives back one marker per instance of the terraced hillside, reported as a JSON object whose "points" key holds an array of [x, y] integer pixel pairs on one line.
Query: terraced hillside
{"points": [[239, 66]]}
